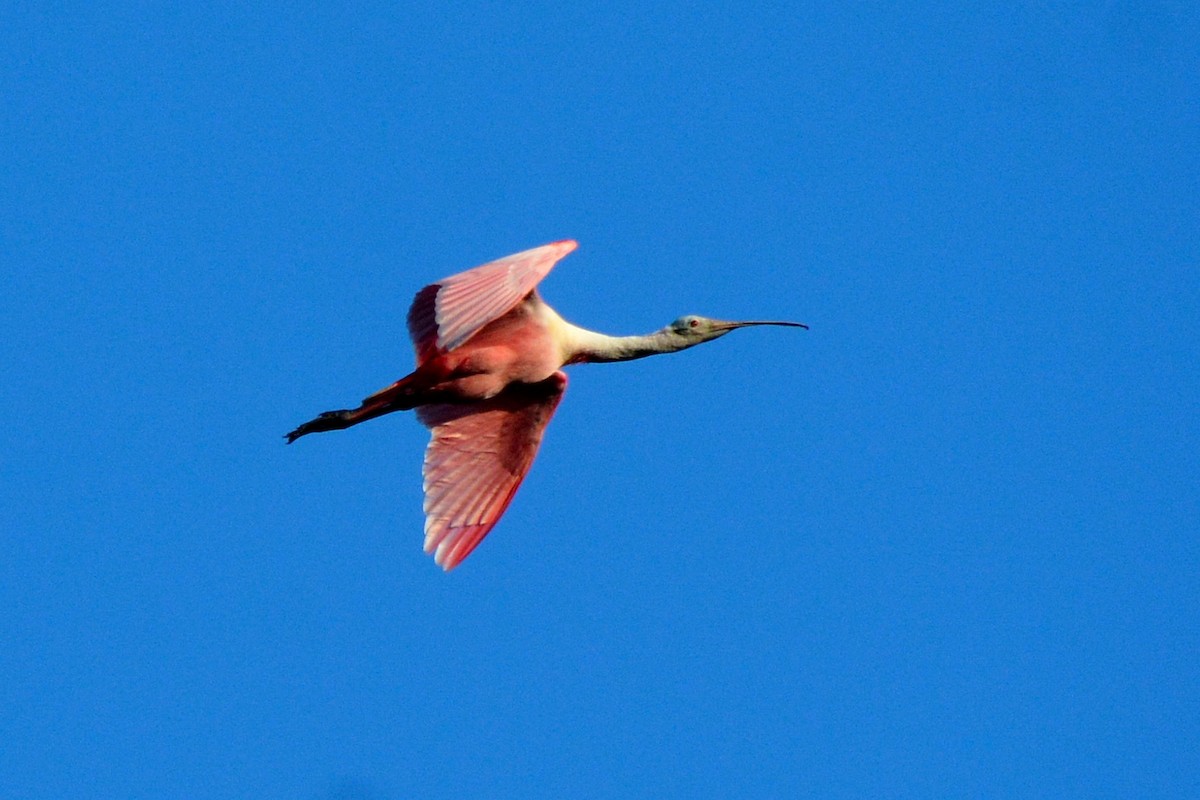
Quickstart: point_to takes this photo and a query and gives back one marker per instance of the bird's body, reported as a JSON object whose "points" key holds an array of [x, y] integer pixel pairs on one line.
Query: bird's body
{"points": [[526, 345], [489, 357]]}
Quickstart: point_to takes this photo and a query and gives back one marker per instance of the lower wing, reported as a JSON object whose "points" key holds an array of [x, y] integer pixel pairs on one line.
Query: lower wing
{"points": [[478, 455]]}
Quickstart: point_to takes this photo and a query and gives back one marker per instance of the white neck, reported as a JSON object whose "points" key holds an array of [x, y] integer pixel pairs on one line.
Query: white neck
{"points": [[592, 347], [579, 345]]}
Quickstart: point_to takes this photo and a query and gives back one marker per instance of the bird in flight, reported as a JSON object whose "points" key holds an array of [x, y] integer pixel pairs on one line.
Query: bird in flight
{"points": [[489, 376]]}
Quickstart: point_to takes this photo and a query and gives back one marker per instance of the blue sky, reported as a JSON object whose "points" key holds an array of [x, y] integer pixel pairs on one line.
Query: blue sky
{"points": [[942, 545]]}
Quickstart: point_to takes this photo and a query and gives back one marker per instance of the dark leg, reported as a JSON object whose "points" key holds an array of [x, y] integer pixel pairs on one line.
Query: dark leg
{"points": [[328, 421], [337, 420]]}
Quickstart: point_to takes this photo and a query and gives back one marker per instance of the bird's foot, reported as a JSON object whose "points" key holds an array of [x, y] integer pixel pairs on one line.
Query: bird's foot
{"points": [[327, 421]]}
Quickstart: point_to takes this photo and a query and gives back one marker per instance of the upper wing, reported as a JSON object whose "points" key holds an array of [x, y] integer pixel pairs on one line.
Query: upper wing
{"points": [[478, 455], [447, 313]]}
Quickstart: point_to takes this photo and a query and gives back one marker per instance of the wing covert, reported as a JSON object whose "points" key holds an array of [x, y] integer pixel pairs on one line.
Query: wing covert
{"points": [[445, 314]]}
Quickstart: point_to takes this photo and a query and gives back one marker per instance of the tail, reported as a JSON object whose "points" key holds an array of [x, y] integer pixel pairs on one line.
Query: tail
{"points": [[397, 397]]}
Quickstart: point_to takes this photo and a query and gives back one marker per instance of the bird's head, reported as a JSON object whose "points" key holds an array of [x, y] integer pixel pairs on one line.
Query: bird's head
{"points": [[692, 329]]}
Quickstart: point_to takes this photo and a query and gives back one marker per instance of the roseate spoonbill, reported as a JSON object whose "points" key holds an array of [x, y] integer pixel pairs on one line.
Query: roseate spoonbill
{"points": [[488, 378]]}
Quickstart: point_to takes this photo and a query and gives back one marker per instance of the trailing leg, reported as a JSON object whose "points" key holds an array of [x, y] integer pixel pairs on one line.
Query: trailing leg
{"points": [[338, 420]]}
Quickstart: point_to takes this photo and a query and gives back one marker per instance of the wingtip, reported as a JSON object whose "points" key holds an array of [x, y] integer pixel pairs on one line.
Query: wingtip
{"points": [[446, 560]]}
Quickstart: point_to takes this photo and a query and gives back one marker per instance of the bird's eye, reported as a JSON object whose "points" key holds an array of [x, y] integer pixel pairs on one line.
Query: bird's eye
{"points": [[693, 323]]}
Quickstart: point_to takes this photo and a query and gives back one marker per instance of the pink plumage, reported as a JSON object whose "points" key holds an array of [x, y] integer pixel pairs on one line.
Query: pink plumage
{"points": [[488, 379], [477, 457], [446, 314]]}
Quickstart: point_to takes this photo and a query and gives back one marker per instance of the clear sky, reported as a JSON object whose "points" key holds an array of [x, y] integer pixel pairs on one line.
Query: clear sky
{"points": [[945, 544]]}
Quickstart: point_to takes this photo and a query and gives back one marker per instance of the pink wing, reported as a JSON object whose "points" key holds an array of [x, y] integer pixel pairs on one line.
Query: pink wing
{"points": [[478, 455], [447, 313]]}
